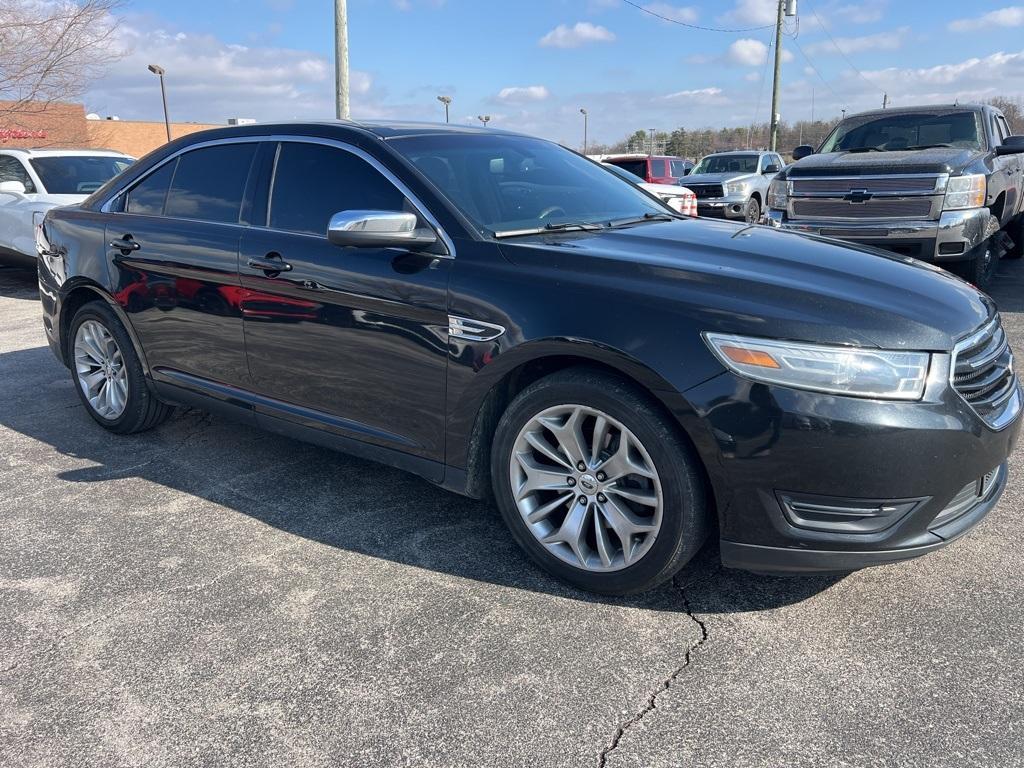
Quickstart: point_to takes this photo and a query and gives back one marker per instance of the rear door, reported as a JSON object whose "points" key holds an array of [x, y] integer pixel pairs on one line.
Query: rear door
{"points": [[173, 249], [348, 340]]}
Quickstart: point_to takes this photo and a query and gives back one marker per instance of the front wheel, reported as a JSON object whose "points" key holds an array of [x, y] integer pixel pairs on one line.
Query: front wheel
{"points": [[752, 213], [596, 485], [980, 270]]}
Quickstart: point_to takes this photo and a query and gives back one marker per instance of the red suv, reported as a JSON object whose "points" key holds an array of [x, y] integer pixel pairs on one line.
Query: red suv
{"points": [[654, 169]]}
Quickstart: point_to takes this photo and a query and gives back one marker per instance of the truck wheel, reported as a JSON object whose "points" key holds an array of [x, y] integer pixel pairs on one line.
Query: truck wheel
{"points": [[752, 213], [596, 485], [979, 270]]}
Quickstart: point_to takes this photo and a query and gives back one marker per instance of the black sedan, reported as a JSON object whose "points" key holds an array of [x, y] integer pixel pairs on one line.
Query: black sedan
{"points": [[503, 316]]}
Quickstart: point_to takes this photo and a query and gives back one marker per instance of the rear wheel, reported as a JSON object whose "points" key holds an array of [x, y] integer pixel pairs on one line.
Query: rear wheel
{"points": [[595, 484], [108, 374]]}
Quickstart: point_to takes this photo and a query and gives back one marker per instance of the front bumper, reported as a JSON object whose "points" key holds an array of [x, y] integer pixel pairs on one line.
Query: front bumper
{"points": [[728, 207], [952, 238], [883, 480]]}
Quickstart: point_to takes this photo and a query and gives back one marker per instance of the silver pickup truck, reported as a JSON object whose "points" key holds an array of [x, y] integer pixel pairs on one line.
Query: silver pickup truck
{"points": [[734, 185]]}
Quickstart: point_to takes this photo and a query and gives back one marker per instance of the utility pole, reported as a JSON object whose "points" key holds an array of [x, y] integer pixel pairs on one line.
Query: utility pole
{"points": [[341, 59], [653, 130], [786, 8]]}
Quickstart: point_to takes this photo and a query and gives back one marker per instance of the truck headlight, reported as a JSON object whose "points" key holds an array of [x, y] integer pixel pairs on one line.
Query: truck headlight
{"points": [[965, 192], [778, 194], [736, 188], [882, 374]]}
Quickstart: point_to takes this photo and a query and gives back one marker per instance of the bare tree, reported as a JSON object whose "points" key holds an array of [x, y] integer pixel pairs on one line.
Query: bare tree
{"points": [[51, 50]]}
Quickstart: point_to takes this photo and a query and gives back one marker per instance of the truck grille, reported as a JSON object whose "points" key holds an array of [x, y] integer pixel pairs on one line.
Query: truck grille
{"points": [[880, 208], [703, 191], [844, 186], [983, 375]]}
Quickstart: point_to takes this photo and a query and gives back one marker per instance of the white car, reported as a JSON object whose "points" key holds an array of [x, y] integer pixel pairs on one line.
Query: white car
{"points": [[32, 181], [678, 198]]}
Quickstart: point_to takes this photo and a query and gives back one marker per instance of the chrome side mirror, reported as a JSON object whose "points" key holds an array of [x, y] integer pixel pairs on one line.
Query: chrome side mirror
{"points": [[378, 229], [12, 188]]}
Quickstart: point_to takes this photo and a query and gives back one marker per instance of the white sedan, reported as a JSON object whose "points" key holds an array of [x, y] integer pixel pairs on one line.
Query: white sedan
{"points": [[678, 198], [32, 181]]}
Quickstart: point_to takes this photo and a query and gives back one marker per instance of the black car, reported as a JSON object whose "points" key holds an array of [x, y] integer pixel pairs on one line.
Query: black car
{"points": [[500, 315]]}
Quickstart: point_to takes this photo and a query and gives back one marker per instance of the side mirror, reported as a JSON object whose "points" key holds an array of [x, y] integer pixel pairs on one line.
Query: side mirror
{"points": [[1012, 145], [772, 169], [804, 150], [378, 229], [12, 188]]}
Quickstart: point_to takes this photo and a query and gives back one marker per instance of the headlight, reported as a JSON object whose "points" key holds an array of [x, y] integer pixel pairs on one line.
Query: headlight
{"points": [[837, 370], [778, 194], [965, 192], [736, 187]]}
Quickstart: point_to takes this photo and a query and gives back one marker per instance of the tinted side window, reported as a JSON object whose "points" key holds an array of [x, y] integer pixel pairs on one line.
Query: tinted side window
{"points": [[312, 182], [11, 169], [657, 167], [149, 195], [209, 183]]}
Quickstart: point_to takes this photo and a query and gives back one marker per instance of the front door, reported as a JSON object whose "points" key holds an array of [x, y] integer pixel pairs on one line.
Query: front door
{"points": [[351, 340], [174, 249]]}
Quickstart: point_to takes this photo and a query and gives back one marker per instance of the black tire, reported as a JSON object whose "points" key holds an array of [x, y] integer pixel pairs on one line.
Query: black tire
{"points": [[685, 514], [979, 270], [752, 213], [142, 410]]}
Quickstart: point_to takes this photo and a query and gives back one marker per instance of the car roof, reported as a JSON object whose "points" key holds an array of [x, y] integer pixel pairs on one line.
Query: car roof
{"points": [[742, 152]]}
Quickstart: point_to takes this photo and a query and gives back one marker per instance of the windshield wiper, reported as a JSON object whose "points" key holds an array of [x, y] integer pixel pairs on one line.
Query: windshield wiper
{"points": [[565, 226], [644, 218], [927, 146], [865, 149]]}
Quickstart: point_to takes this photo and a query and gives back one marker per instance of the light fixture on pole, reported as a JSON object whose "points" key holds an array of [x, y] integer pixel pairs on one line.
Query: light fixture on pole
{"points": [[159, 72], [584, 112], [446, 100], [485, 119]]}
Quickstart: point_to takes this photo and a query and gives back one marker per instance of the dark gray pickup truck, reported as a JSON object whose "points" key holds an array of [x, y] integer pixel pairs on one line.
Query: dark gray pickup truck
{"points": [[942, 184]]}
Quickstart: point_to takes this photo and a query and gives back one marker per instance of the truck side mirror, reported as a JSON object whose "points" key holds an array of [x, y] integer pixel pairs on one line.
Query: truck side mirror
{"points": [[804, 150], [1012, 145], [12, 188]]}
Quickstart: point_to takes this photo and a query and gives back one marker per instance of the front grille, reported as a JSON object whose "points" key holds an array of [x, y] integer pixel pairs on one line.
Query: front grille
{"points": [[880, 208], [969, 497], [841, 186], [703, 191], [983, 374]]}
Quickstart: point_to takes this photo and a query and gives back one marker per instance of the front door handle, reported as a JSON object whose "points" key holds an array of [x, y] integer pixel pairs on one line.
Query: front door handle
{"points": [[272, 263], [125, 244]]}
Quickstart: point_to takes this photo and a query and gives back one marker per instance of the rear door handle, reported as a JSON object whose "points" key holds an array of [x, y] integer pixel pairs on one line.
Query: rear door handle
{"points": [[272, 262]]}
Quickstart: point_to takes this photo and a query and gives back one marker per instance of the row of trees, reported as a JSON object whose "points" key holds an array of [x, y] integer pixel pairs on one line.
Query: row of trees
{"points": [[697, 143]]}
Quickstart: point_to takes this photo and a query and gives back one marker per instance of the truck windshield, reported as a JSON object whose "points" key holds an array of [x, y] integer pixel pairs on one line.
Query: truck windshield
{"points": [[917, 130], [726, 164], [77, 174], [508, 184]]}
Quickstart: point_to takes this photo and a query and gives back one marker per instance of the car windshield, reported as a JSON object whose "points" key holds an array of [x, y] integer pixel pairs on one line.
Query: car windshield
{"points": [[895, 132], [726, 164], [77, 174], [636, 167], [508, 184]]}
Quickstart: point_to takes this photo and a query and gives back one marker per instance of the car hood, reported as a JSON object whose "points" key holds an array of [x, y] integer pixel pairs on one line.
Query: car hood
{"points": [[716, 178], [937, 160], [743, 279], [664, 189]]}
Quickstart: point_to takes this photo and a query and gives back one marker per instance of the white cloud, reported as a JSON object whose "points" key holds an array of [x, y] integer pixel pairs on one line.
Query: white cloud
{"points": [[683, 13], [697, 96], [1012, 16], [883, 41], [748, 52], [524, 93], [752, 13], [862, 13], [581, 33]]}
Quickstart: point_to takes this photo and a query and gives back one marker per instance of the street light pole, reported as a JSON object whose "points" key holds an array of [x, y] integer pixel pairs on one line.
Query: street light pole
{"points": [[446, 100], [485, 119], [159, 71], [585, 114], [341, 107]]}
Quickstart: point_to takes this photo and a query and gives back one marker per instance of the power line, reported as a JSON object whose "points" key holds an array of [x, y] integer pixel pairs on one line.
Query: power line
{"points": [[692, 26], [841, 52]]}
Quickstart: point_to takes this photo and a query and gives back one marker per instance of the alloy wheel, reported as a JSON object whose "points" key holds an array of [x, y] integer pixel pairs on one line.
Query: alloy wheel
{"points": [[586, 488], [100, 369]]}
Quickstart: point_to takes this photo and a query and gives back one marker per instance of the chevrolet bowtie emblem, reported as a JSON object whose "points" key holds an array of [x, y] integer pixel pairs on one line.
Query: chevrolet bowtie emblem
{"points": [[858, 196]]}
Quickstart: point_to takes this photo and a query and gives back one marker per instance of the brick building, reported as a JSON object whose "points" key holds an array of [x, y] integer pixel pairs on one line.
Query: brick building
{"points": [[66, 125]]}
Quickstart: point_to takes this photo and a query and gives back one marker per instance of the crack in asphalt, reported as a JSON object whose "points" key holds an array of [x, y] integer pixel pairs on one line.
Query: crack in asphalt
{"points": [[652, 700]]}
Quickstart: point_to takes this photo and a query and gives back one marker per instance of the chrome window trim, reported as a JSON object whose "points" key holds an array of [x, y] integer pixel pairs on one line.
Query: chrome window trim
{"points": [[421, 209]]}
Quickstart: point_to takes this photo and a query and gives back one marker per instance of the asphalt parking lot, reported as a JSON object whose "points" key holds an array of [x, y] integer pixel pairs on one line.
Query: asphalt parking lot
{"points": [[205, 594]]}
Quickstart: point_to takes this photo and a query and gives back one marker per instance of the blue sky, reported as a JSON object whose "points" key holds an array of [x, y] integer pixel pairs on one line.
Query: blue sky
{"points": [[532, 64]]}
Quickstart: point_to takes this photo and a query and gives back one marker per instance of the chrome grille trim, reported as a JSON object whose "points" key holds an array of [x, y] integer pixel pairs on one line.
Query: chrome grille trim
{"points": [[981, 373], [877, 208], [839, 186]]}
